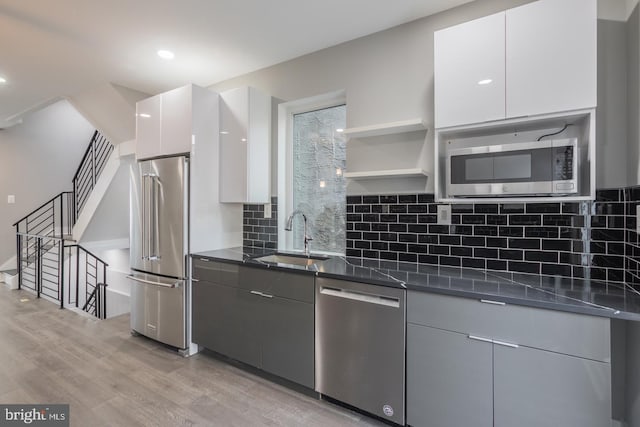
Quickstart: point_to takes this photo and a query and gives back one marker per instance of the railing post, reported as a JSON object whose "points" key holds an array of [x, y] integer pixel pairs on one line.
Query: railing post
{"points": [[61, 215], [104, 302], [19, 255], [61, 269], [38, 263], [104, 289], [77, 274]]}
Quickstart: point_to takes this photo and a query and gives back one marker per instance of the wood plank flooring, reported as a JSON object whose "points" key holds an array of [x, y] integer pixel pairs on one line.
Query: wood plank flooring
{"points": [[111, 378]]}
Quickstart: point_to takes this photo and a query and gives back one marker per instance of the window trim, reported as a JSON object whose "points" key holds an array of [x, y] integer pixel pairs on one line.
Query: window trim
{"points": [[286, 111]]}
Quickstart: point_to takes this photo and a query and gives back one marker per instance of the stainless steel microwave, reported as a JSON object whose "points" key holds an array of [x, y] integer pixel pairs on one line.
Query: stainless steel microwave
{"points": [[548, 167]]}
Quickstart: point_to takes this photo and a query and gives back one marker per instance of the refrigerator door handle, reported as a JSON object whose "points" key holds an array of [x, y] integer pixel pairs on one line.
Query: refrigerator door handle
{"points": [[145, 213], [151, 282], [155, 234]]}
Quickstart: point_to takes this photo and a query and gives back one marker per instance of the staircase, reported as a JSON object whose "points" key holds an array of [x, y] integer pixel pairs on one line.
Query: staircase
{"points": [[49, 262]]}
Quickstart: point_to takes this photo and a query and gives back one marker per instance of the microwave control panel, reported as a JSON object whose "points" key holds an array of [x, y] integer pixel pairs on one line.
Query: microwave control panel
{"points": [[563, 163]]}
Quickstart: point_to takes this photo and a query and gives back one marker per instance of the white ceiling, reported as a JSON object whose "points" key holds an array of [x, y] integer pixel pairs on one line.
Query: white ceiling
{"points": [[51, 49]]}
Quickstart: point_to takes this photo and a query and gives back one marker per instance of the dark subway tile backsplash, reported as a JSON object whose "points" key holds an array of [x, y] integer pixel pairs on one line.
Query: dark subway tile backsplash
{"points": [[563, 238], [596, 240], [261, 232]]}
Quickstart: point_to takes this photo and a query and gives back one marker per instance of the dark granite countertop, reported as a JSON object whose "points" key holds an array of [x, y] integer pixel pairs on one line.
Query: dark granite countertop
{"points": [[592, 297]]}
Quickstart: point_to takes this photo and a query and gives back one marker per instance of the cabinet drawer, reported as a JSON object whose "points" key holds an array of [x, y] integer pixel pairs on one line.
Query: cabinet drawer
{"points": [[568, 333], [216, 272], [278, 283]]}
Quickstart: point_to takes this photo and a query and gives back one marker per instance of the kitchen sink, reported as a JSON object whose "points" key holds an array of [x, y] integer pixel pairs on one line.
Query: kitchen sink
{"points": [[292, 259]]}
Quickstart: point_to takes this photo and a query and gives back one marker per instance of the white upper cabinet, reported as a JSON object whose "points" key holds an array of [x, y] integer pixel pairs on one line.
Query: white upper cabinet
{"points": [[148, 127], [535, 59], [166, 124], [245, 153], [551, 55], [469, 72], [177, 120]]}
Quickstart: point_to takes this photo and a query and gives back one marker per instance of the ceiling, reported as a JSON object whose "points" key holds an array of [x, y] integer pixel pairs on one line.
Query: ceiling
{"points": [[50, 50]]}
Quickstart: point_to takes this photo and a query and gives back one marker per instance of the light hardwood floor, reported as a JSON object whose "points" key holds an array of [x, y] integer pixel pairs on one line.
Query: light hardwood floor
{"points": [[111, 378]]}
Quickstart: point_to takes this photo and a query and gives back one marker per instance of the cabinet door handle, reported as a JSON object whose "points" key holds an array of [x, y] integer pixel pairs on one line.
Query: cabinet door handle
{"points": [[506, 344], [497, 342], [488, 301], [260, 294], [474, 337], [194, 280]]}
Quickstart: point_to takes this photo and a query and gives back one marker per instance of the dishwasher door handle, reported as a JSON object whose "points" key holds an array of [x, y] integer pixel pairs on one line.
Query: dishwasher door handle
{"points": [[357, 296]]}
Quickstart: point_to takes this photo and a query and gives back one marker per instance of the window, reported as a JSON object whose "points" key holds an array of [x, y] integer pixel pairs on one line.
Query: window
{"points": [[312, 158]]}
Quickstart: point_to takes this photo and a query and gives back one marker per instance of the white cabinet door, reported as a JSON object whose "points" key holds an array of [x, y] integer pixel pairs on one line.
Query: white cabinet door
{"points": [[234, 117], [148, 127], [245, 128], [551, 57], [177, 121], [469, 72]]}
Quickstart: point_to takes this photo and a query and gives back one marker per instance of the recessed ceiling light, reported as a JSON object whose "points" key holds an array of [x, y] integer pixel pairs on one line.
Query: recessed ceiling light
{"points": [[145, 115], [166, 54], [339, 130], [224, 132], [485, 82], [3, 80]]}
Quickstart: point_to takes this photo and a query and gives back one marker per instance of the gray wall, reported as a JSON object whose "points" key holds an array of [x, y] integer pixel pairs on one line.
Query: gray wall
{"points": [[388, 76], [633, 100], [38, 159], [611, 118]]}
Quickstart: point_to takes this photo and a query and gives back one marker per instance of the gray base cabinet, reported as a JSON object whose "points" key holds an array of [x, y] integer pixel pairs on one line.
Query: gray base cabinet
{"points": [[287, 340], [259, 317], [447, 372], [536, 388], [481, 363], [225, 321]]}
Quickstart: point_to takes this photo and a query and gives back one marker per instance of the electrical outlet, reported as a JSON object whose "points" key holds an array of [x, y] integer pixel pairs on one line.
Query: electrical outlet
{"points": [[11, 199], [267, 210], [444, 214]]}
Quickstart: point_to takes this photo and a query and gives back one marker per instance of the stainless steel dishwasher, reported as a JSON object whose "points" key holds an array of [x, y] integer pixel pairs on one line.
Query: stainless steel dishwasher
{"points": [[360, 346]]}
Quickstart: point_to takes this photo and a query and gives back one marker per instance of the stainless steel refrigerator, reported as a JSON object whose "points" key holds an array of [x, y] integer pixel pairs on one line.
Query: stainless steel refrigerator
{"points": [[159, 249]]}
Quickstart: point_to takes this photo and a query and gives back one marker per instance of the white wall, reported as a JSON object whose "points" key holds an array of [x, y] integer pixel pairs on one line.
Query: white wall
{"points": [[111, 219], [38, 159], [111, 109]]}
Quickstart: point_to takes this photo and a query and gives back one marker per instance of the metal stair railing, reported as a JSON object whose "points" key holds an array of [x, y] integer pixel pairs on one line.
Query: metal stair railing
{"points": [[89, 273], [41, 234], [40, 265], [92, 164]]}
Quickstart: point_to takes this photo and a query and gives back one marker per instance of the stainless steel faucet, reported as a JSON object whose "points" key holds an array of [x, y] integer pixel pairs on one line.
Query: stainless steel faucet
{"points": [[289, 227]]}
